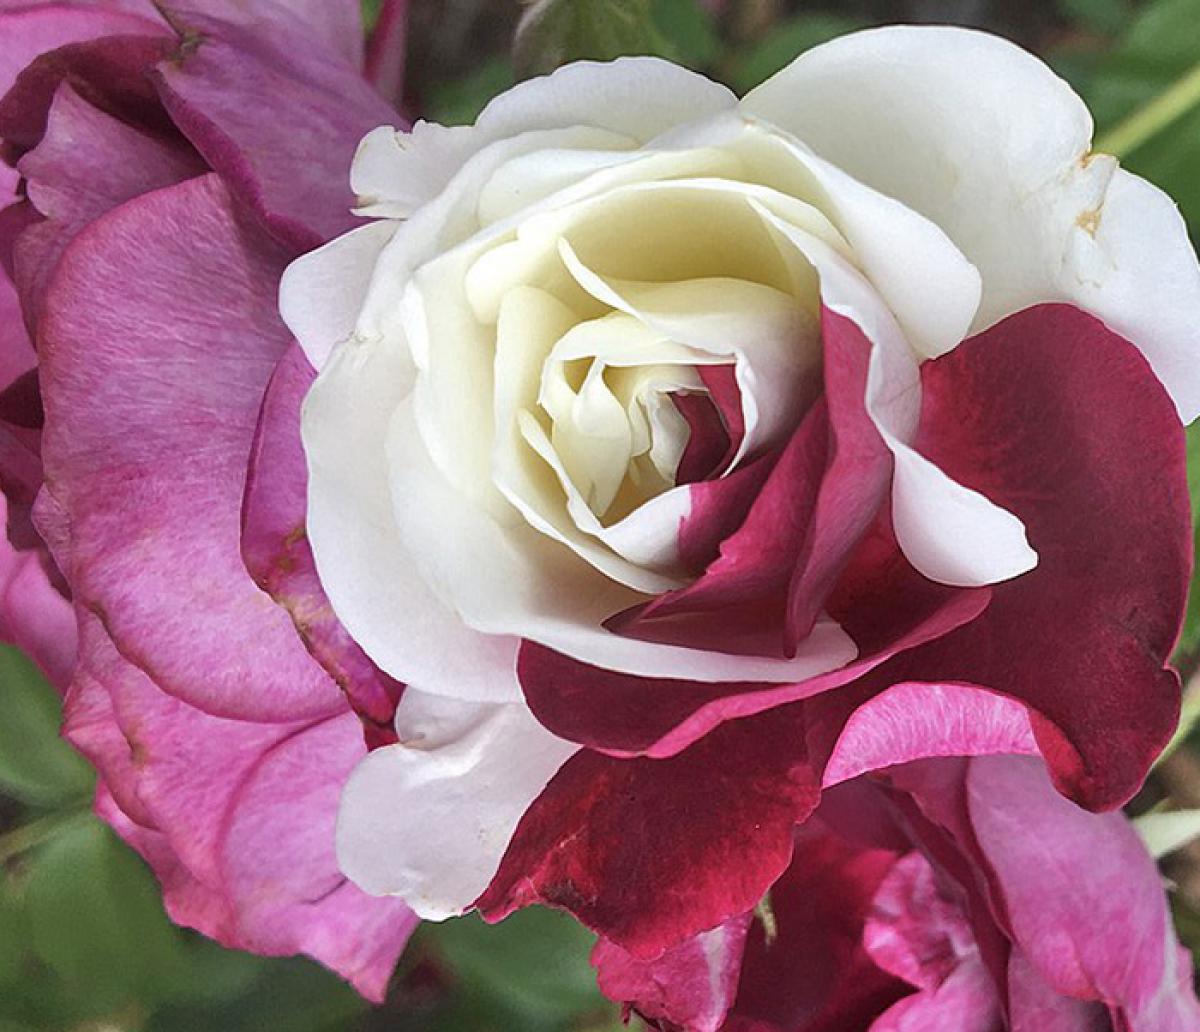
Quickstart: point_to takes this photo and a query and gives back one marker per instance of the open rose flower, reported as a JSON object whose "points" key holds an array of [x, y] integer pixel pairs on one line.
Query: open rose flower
{"points": [[169, 160], [963, 895], [658, 433]]}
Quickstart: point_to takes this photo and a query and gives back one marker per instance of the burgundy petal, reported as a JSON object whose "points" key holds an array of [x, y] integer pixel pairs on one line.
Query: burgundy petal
{"points": [[650, 852], [624, 714], [1062, 422], [814, 975]]}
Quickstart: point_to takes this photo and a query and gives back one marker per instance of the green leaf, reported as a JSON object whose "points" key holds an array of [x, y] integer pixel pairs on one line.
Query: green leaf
{"points": [[553, 32], [290, 995], [96, 920], [14, 935], [370, 10], [1189, 639], [784, 44], [1106, 17], [689, 29], [1162, 45], [459, 103], [531, 971], [36, 765]]}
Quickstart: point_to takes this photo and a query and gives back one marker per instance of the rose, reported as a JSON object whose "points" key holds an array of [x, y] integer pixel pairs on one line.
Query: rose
{"points": [[657, 434], [168, 168], [907, 908]]}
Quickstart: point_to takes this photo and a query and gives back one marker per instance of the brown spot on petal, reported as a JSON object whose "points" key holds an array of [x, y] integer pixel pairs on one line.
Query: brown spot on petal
{"points": [[1089, 221]]}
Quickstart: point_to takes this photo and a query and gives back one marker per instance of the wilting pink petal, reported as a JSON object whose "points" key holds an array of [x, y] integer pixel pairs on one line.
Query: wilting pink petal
{"points": [[241, 816], [160, 336], [86, 164], [310, 112], [335, 24], [691, 985], [34, 615]]}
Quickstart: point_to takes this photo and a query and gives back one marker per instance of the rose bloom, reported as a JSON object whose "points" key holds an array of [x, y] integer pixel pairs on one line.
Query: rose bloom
{"points": [[651, 463], [658, 435], [154, 203]]}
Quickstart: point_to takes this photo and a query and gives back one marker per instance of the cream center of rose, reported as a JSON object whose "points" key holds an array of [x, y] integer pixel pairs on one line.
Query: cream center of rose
{"points": [[595, 316]]}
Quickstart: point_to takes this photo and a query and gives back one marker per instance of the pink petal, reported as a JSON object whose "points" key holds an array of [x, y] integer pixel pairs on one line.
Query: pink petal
{"points": [[1082, 896], [279, 116], [277, 554], [691, 985], [86, 164], [965, 1002], [160, 336], [1035, 1007], [236, 818], [914, 721], [335, 24]]}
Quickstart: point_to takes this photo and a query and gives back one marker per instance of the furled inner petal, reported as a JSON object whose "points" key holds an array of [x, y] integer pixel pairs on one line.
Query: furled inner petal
{"points": [[607, 358]]}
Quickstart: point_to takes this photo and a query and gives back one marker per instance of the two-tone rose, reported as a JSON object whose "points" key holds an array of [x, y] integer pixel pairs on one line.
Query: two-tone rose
{"points": [[659, 436]]}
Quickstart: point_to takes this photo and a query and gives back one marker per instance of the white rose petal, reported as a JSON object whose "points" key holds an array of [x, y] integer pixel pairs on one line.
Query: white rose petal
{"points": [[988, 143]]}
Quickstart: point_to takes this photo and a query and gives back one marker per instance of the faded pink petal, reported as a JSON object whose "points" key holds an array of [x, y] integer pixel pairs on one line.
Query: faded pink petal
{"points": [[86, 164], [160, 336], [34, 615], [310, 112], [277, 554], [241, 815], [1081, 895]]}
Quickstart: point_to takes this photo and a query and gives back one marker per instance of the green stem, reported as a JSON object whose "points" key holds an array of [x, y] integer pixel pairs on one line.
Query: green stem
{"points": [[27, 836], [1153, 117]]}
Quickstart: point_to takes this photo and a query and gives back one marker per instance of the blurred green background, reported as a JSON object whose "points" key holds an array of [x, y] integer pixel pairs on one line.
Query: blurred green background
{"points": [[84, 943]]}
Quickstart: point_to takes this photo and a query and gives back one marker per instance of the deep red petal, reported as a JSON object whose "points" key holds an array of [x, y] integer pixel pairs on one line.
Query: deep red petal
{"points": [[650, 852], [1062, 422]]}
